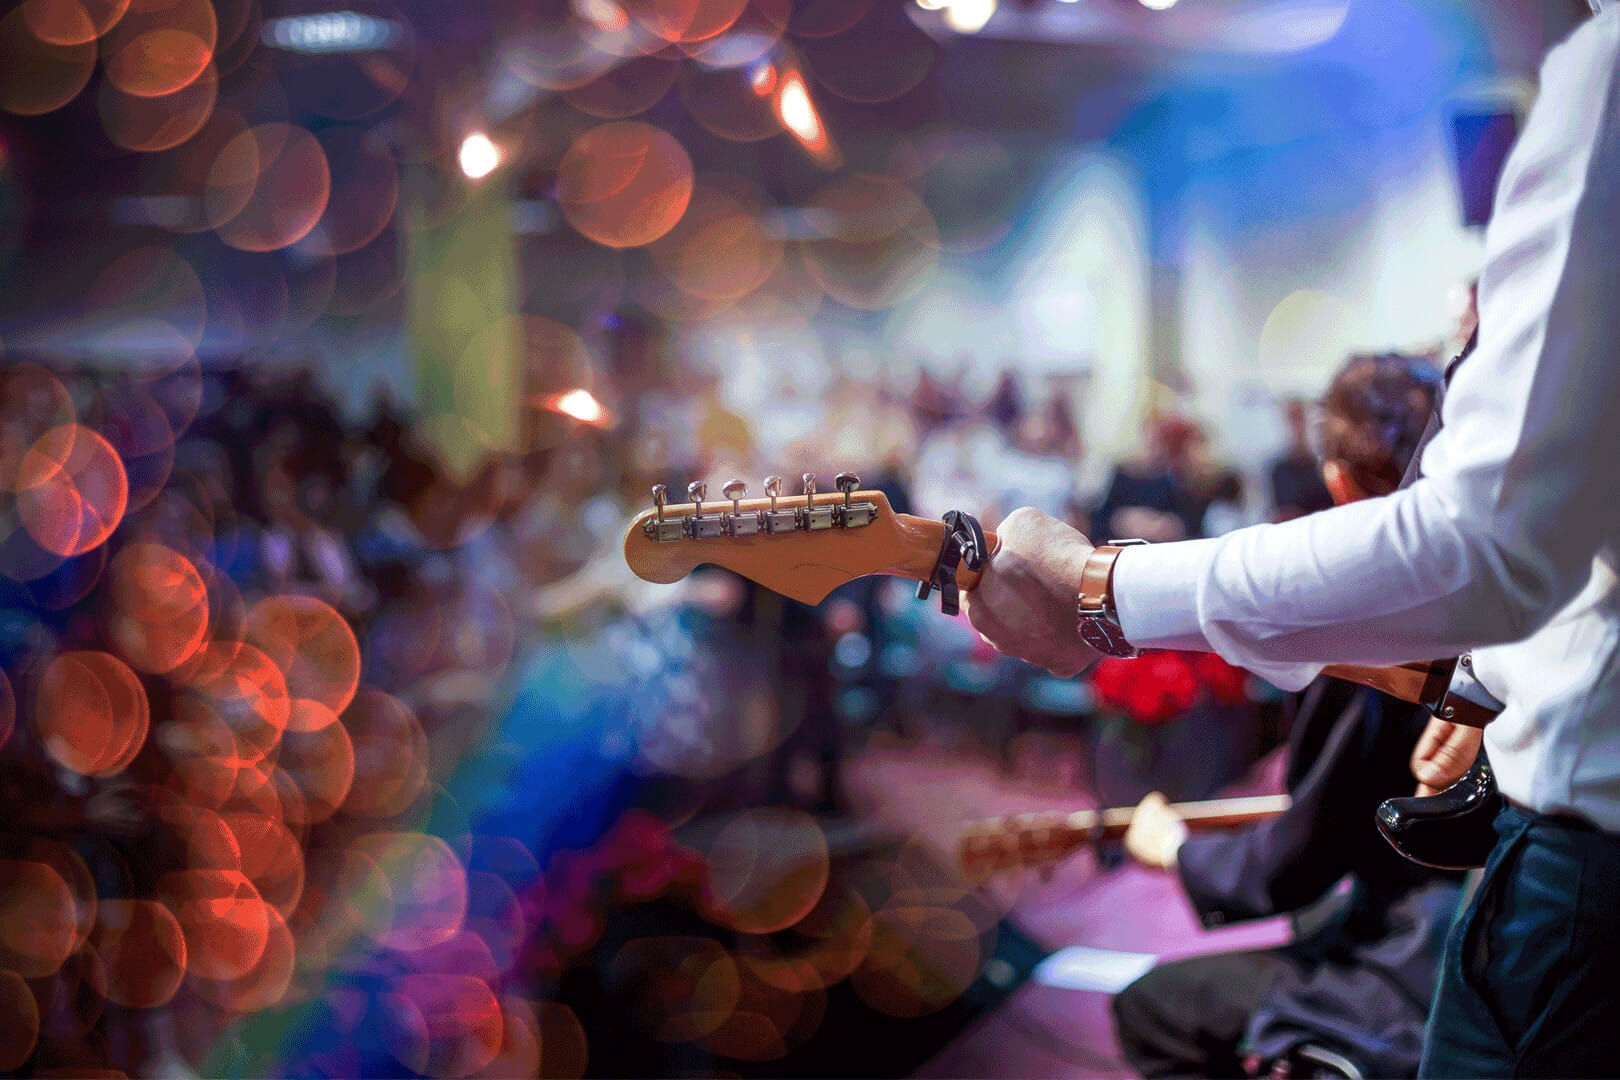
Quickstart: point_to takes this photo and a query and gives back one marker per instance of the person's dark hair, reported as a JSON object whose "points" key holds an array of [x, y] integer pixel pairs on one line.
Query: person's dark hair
{"points": [[1373, 416]]}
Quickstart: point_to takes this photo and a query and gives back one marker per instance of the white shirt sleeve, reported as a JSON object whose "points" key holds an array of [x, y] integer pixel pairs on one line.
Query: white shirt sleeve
{"points": [[1521, 486]]}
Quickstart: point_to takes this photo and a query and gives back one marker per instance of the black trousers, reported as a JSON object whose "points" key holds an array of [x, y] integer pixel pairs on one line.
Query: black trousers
{"points": [[1530, 984], [1186, 1017]]}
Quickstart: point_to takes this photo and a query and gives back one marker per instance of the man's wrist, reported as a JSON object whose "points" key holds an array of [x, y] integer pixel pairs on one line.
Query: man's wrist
{"points": [[1095, 612]]}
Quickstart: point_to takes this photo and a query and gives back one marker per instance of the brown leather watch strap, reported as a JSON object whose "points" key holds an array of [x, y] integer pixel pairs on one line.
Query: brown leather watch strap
{"points": [[1096, 577]]}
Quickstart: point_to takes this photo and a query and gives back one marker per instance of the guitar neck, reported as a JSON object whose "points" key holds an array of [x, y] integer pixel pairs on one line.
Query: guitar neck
{"points": [[1039, 839]]}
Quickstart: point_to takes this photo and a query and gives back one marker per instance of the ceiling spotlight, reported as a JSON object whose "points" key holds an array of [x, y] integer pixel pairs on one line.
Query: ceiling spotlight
{"points": [[969, 16], [1158, 5], [479, 156]]}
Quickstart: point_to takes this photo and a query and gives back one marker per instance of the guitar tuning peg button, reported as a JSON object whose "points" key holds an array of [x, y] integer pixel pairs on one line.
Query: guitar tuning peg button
{"points": [[809, 488], [696, 492], [734, 490], [739, 523], [660, 495], [846, 482], [773, 488]]}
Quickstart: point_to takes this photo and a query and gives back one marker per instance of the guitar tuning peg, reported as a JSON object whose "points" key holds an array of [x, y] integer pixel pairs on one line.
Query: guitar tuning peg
{"points": [[846, 482], [696, 492], [809, 489], [773, 488], [734, 490], [660, 495]]}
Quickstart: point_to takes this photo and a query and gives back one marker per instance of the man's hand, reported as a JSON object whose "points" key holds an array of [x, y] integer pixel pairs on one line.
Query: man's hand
{"points": [[1024, 603], [1156, 833], [1444, 752]]}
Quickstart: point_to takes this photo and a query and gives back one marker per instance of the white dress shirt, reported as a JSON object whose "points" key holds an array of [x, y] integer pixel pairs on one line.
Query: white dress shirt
{"points": [[1508, 545]]}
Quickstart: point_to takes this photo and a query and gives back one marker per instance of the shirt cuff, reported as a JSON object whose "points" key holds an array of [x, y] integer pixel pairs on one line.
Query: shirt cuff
{"points": [[1155, 589]]}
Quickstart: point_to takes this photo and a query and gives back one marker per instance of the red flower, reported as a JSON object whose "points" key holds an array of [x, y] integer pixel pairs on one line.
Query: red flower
{"points": [[1155, 688], [1227, 684]]}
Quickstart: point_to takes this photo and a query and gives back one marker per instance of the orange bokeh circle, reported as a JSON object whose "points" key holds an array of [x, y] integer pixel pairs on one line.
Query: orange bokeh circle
{"points": [[268, 187], [91, 713], [157, 607], [312, 644], [71, 490], [39, 922], [19, 1021], [624, 184], [37, 76], [72, 22], [225, 921], [32, 402], [142, 951], [149, 124], [161, 46], [247, 690]]}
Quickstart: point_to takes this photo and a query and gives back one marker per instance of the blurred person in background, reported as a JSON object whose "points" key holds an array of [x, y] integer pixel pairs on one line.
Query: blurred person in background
{"points": [[1356, 979], [1296, 475], [1160, 496]]}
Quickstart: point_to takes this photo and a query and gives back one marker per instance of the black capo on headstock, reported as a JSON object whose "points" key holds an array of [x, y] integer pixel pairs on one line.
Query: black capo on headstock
{"points": [[964, 544]]}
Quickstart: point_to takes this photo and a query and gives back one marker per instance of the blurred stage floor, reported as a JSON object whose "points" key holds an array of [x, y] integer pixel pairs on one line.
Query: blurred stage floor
{"points": [[1041, 1031]]}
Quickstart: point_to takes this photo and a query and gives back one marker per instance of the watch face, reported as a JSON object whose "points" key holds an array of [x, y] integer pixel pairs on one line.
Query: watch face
{"points": [[1106, 638]]}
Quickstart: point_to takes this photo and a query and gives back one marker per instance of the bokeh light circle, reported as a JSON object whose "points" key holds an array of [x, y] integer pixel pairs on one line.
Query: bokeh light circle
{"points": [[719, 250], [72, 22], [390, 755], [91, 713], [443, 1025], [71, 490], [35, 75], [225, 923], [313, 646], [142, 952], [768, 868], [19, 1021], [38, 918], [624, 184], [684, 20], [268, 187], [161, 46], [149, 124], [157, 613], [428, 885], [365, 189], [878, 243]]}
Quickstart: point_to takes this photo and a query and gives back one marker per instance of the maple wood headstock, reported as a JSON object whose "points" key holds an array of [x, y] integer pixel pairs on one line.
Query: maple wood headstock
{"points": [[803, 546]]}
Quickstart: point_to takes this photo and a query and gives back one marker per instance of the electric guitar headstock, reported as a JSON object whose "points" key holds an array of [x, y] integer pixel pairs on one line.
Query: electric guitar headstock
{"points": [[805, 545]]}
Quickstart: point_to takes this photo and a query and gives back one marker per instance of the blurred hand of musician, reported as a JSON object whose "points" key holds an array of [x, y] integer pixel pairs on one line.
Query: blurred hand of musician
{"points": [[1443, 753], [1024, 604], [1156, 832]]}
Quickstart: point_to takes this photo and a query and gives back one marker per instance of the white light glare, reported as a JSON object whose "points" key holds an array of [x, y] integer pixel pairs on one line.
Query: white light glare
{"points": [[1158, 5], [933, 5], [332, 32], [581, 406], [797, 113], [969, 16], [479, 156]]}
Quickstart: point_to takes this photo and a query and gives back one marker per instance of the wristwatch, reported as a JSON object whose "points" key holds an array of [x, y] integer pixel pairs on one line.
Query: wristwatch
{"points": [[1098, 621]]}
